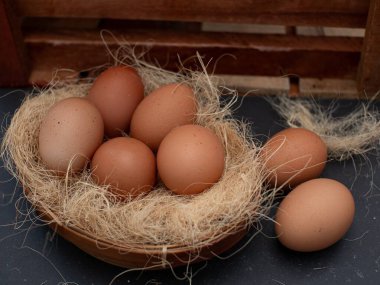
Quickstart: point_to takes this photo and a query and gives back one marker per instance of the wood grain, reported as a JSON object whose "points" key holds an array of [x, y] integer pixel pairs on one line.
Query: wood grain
{"points": [[234, 53], [369, 75], [342, 13], [13, 62]]}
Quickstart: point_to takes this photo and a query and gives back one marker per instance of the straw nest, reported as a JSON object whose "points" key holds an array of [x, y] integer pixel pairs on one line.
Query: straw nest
{"points": [[238, 200]]}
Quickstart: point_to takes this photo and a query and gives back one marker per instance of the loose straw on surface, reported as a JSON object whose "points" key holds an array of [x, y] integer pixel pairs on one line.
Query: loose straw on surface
{"points": [[354, 134]]}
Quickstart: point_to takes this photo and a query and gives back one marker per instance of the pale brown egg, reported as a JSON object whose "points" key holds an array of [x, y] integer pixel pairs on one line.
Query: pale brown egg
{"points": [[293, 156], [70, 133], [190, 159], [315, 215], [116, 93], [126, 164], [165, 108]]}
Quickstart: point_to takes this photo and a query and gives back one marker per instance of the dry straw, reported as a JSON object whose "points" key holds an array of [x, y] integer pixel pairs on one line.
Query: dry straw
{"points": [[354, 134], [160, 218]]}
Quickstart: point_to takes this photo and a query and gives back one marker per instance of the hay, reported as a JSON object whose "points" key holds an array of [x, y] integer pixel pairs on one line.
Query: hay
{"points": [[160, 218], [354, 134]]}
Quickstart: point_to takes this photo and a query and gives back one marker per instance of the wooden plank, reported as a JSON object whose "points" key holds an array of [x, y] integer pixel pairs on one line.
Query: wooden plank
{"points": [[255, 85], [56, 23], [369, 75], [194, 39], [244, 28], [330, 32], [329, 88], [234, 53], [343, 32], [350, 13], [112, 24], [14, 67]]}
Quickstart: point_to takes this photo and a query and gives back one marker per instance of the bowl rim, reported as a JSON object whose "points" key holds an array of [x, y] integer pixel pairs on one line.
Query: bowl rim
{"points": [[48, 217]]}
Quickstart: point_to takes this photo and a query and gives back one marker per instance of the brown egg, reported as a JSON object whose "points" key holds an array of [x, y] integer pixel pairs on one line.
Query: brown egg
{"points": [[293, 156], [190, 159], [126, 164], [165, 108], [116, 93], [71, 132], [315, 215]]}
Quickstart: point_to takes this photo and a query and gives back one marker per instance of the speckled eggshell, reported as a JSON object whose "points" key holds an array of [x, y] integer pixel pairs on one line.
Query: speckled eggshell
{"points": [[72, 130], [190, 159], [116, 93], [165, 108], [315, 215], [293, 156]]}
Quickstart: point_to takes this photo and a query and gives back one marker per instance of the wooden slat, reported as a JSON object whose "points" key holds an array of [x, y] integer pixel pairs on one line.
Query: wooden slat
{"points": [[369, 75], [331, 32], [342, 13], [244, 28], [329, 88], [238, 54], [13, 63], [255, 85], [57, 23], [194, 39]]}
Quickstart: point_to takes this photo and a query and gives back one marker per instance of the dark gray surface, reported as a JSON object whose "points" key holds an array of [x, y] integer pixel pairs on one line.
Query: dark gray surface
{"points": [[29, 254]]}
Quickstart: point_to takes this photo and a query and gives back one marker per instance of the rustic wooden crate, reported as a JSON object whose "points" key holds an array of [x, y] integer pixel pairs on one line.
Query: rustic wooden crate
{"points": [[40, 36]]}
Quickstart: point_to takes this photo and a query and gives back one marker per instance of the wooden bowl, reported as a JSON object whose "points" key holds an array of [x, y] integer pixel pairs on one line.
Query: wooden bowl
{"points": [[138, 256]]}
